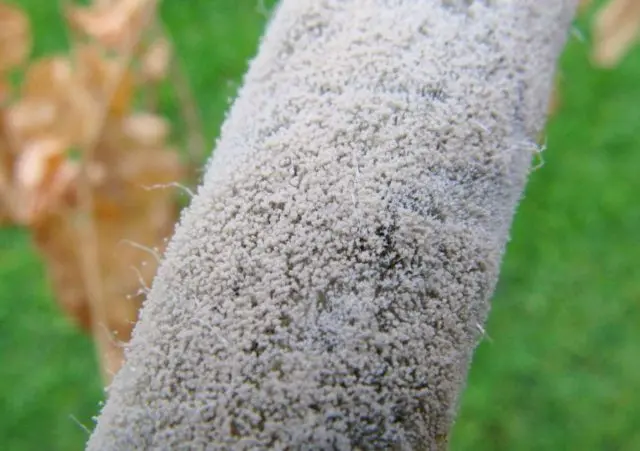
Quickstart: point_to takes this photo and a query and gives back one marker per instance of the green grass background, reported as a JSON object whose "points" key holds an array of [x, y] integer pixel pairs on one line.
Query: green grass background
{"points": [[561, 370]]}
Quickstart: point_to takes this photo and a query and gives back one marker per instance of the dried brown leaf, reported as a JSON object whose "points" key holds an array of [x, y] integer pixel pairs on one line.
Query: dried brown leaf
{"points": [[57, 240], [48, 77], [15, 37], [144, 130], [616, 29], [131, 157], [4, 91], [42, 175], [116, 24], [155, 60], [105, 78], [52, 103], [30, 119], [83, 213], [128, 219]]}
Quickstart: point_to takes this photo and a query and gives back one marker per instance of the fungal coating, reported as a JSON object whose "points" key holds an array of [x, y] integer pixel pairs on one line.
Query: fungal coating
{"points": [[329, 282]]}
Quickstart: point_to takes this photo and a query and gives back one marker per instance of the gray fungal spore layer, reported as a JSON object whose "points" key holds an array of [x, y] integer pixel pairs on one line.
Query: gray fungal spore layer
{"points": [[328, 284]]}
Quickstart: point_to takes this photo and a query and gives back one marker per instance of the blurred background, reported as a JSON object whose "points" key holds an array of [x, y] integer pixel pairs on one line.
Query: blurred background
{"points": [[560, 367]]}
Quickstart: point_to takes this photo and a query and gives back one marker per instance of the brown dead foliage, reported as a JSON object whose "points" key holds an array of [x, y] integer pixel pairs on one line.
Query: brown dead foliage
{"points": [[615, 29], [82, 166]]}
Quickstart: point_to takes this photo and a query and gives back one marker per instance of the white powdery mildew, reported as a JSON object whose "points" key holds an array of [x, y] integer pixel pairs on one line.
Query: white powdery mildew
{"points": [[329, 282]]}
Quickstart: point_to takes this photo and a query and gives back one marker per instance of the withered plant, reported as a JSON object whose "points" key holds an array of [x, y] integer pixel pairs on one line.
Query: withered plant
{"points": [[86, 161]]}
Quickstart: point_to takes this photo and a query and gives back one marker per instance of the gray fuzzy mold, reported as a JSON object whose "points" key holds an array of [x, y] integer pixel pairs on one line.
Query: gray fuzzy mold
{"points": [[328, 284]]}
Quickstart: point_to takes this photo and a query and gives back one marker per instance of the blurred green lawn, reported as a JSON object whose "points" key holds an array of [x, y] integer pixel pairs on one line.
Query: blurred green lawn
{"points": [[561, 370]]}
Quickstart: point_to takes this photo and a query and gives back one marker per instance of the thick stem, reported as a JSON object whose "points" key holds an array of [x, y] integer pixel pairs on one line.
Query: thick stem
{"points": [[327, 286]]}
